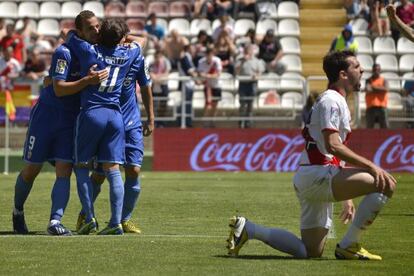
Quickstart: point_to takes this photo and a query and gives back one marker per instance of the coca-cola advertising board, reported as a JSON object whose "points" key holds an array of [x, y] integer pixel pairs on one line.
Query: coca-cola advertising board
{"points": [[269, 150]]}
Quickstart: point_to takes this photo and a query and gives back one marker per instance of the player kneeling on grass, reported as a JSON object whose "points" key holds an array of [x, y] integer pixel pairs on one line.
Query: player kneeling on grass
{"points": [[321, 178]]}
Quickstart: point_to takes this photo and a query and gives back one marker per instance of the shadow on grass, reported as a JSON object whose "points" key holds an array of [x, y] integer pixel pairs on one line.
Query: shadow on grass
{"points": [[32, 233], [270, 257]]}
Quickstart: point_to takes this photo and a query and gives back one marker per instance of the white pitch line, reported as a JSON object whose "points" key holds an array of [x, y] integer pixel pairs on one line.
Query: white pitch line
{"points": [[124, 236]]}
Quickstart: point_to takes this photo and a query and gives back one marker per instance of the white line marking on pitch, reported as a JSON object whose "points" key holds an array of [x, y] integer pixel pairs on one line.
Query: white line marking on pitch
{"points": [[110, 236]]}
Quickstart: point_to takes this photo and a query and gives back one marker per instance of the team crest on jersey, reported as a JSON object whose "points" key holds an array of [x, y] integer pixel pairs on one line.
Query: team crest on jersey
{"points": [[60, 66], [335, 116]]}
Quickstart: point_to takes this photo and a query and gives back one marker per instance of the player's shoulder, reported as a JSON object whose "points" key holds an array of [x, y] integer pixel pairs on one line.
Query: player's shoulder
{"points": [[330, 98]]}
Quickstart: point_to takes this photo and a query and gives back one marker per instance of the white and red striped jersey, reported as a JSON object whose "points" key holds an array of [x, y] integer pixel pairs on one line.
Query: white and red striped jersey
{"points": [[330, 112]]}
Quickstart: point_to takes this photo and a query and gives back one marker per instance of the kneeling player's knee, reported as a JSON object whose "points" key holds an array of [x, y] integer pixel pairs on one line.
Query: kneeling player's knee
{"points": [[314, 253]]}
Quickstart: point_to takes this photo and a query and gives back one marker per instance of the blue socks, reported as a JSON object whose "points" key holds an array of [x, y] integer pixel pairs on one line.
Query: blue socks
{"points": [[116, 195], [60, 197], [84, 186], [21, 192], [132, 190]]}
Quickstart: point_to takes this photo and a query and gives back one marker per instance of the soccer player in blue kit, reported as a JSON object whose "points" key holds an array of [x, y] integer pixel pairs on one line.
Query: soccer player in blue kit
{"points": [[50, 133], [100, 129], [134, 145]]}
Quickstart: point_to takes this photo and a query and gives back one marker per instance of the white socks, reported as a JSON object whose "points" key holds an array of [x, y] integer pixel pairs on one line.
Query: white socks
{"points": [[279, 239], [365, 216]]}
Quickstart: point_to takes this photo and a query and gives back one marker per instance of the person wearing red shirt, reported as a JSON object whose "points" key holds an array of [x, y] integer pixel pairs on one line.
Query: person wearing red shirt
{"points": [[14, 40]]}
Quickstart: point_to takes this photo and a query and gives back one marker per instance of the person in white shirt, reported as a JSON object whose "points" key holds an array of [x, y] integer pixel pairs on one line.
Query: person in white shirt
{"points": [[9, 69], [209, 68], [322, 178]]}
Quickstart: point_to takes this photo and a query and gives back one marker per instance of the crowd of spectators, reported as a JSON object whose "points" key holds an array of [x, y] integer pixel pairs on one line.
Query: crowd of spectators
{"points": [[377, 88], [203, 57]]}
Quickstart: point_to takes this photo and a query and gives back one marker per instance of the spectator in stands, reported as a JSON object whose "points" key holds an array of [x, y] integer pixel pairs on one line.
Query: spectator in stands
{"points": [[9, 68], [187, 68], [210, 69], [248, 66], [15, 41], [357, 8], [211, 9], [271, 52], [27, 32], [225, 50], [248, 39], [408, 90], [345, 40], [35, 67], [405, 12], [380, 25], [159, 71], [224, 6], [154, 31], [174, 45], [224, 25], [247, 7], [200, 46], [2, 28], [376, 98]]}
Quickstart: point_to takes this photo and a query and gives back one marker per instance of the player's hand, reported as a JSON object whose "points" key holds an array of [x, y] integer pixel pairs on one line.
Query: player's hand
{"points": [[148, 128], [47, 81], [384, 182], [391, 11], [348, 211], [96, 77]]}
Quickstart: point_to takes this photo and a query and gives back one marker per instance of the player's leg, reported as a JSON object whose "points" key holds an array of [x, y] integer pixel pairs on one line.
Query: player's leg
{"points": [[36, 150], [23, 186], [60, 198], [62, 154], [90, 127], [111, 153], [134, 153], [97, 178], [350, 183], [280, 239]]}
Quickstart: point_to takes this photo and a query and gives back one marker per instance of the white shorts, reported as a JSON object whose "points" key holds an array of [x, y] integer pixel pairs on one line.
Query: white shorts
{"points": [[313, 185]]}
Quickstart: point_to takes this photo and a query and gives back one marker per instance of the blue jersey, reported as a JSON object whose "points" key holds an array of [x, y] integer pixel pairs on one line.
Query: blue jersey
{"points": [[117, 61], [129, 106], [65, 66]]}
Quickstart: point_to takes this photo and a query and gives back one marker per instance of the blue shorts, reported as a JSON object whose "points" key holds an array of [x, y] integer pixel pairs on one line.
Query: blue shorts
{"points": [[100, 132], [134, 150], [50, 135], [134, 147]]}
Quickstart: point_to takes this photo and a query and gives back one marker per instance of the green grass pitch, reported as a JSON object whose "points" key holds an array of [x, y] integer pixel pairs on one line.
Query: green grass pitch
{"points": [[184, 219]]}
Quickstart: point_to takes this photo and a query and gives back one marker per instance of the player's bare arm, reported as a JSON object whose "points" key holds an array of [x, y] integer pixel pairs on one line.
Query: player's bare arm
{"points": [[401, 26], [142, 41], [383, 180], [63, 88], [147, 100], [348, 211]]}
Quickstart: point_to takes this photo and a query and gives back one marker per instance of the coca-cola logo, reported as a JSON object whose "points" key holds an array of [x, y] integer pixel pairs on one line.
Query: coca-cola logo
{"points": [[272, 152], [394, 156]]}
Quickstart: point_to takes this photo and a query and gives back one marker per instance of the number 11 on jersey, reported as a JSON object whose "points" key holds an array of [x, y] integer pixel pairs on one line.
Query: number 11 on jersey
{"points": [[111, 80]]}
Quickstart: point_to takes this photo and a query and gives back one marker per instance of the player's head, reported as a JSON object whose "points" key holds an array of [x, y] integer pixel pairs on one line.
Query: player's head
{"points": [[113, 31], [87, 25], [343, 69]]}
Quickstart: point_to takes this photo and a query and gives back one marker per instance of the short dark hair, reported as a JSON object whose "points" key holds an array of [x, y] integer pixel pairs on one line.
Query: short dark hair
{"points": [[112, 31], [334, 62], [81, 17]]}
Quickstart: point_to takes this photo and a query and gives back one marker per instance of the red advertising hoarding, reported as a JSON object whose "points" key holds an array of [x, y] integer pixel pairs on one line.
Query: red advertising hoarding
{"points": [[268, 149]]}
